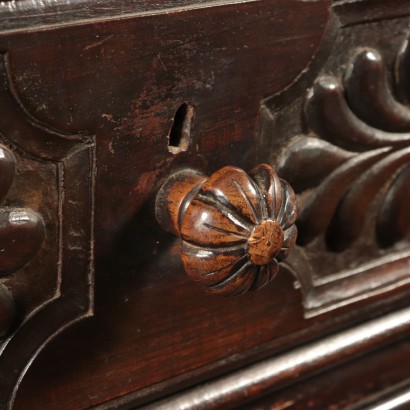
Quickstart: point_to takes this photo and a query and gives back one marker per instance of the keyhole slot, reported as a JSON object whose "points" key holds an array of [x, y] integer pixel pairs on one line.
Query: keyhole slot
{"points": [[180, 133]]}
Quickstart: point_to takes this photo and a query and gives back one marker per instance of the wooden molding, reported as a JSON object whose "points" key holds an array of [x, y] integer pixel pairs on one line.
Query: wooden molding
{"points": [[61, 231], [256, 380], [350, 169]]}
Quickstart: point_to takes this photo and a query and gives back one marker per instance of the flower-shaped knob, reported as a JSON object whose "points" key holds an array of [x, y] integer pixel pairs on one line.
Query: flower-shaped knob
{"points": [[235, 227]]}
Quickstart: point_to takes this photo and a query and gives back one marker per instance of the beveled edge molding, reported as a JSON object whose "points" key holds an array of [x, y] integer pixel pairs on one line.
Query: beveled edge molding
{"points": [[322, 295], [358, 11], [29, 135], [74, 158], [48, 13], [393, 397], [258, 379], [26, 15], [366, 146]]}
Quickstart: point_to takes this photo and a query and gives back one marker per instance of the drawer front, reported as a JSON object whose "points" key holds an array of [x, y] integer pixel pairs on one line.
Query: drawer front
{"points": [[103, 104]]}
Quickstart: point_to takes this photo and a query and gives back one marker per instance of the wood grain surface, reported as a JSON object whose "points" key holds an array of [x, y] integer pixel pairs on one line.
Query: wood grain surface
{"points": [[103, 101], [234, 227]]}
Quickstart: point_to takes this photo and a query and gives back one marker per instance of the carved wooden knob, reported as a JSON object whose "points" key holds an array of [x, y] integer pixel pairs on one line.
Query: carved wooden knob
{"points": [[234, 227]]}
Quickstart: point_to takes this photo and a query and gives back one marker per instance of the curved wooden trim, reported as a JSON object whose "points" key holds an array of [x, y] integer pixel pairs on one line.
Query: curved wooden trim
{"points": [[74, 296], [258, 379], [25, 131], [358, 11], [394, 398]]}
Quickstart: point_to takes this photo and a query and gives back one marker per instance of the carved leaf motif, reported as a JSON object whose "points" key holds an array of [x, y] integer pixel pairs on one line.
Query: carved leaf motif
{"points": [[402, 71], [364, 117], [394, 222], [369, 95], [296, 164], [327, 98], [236, 228], [318, 211], [350, 216]]}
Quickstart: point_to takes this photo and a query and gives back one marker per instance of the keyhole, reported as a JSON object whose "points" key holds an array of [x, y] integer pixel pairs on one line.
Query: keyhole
{"points": [[180, 134]]}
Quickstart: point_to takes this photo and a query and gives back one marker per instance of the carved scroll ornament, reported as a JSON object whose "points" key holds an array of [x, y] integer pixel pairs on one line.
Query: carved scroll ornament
{"points": [[356, 148], [351, 172], [235, 228], [364, 148]]}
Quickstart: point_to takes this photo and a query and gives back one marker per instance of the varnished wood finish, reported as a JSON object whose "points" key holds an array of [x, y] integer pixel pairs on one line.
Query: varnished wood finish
{"points": [[356, 134], [119, 81], [258, 379], [361, 11], [103, 101], [46, 229], [394, 398], [375, 379], [234, 227], [7, 310], [21, 230]]}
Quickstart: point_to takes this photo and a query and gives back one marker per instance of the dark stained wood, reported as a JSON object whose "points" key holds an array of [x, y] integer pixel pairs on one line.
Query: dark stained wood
{"points": [[395, 397], [393, 223], [24, 15], [134, 74], [21, 230], [355, 118], [369, 94], [375, 380], [21, 237], [7, 171], [234, 227], [46, 228], [359, 11], [7, 311], [401, 68], [102, 102], [256, 380]]}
